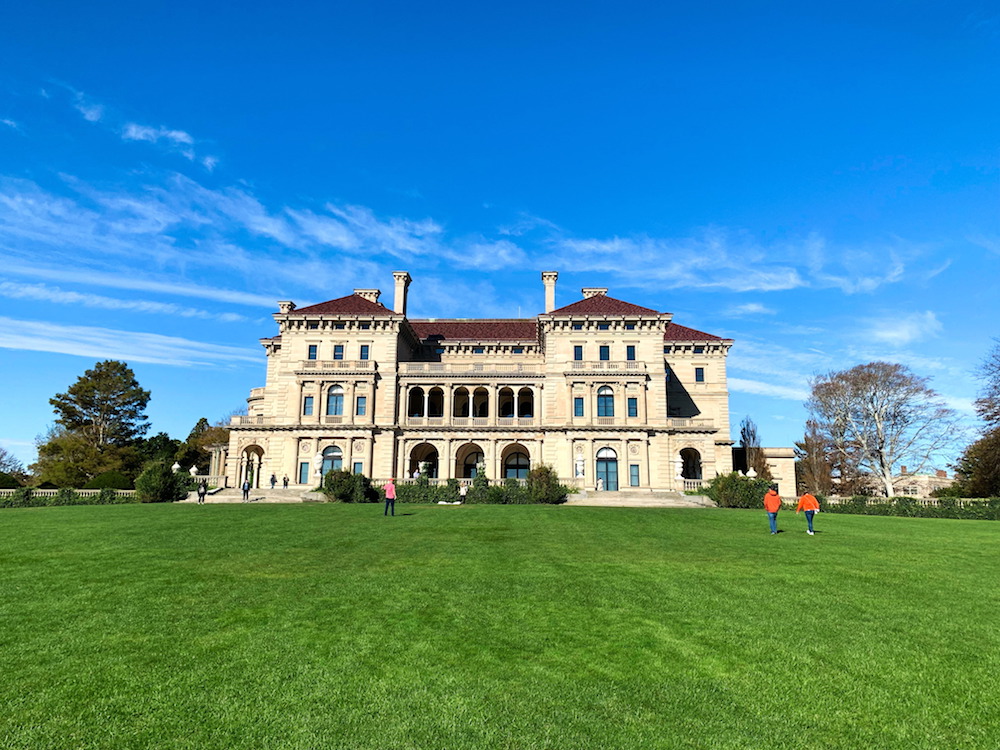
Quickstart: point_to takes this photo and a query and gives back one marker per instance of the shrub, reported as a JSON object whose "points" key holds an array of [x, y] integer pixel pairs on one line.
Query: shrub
{"points": [[65, 496], [544, 487], [158, 484], [21, 498], [110, 479], [345, 487], [736, 491]]}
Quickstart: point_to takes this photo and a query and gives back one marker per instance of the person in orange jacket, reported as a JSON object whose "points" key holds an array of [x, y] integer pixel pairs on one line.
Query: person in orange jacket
{"points": [[810, 505], [772, 504]]}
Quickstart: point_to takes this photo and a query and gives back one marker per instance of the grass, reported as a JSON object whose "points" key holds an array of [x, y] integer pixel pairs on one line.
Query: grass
{"points": [[329, 626]]}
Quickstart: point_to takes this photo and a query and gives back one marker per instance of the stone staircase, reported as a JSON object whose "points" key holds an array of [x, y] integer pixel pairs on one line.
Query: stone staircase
{"points": [[262, 495], [640, 499]]}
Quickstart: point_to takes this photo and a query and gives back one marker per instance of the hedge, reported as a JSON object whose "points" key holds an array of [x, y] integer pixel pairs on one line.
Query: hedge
{"points": [[947, 507], [25, 497]]}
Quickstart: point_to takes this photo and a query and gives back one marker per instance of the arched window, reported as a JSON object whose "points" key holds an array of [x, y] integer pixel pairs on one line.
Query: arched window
{"points": [[506, 403], [335, 401], [471, 463], [525, 403], [333, 459], [605, 402], [516, 466]]}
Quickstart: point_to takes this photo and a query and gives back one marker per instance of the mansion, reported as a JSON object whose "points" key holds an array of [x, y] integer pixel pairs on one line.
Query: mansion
{"points": [[612, 395]]}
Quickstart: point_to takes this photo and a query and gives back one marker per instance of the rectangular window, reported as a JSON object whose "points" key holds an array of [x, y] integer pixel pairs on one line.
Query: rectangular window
{"points": [[364, 351], [304, 472], [630, 326], [312, 325], [362, 406], [518, 350], [365, 326], [699, 350], [478, 350], [630, 353], [338, 351], [307, 406], [578, 326], [359, 468], [633, 406], [603, 326], [339, 326], [633, 475], [313, 351], [699, 374], [605, 352], [578, 407], [666, 350], [578, 352]]}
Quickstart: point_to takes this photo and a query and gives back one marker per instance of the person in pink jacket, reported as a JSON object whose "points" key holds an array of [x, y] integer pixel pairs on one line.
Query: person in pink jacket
{"points": [[390, 497]]}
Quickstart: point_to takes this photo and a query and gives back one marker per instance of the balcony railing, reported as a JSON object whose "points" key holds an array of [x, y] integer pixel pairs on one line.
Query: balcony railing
{"points": [[470, 421], [363, 365], [242, 420], [256, 394], [468, 368], [607, 366], [690, 423]]}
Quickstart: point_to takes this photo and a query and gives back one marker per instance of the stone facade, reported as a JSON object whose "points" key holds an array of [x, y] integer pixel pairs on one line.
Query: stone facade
{"points": [[604, 391]]}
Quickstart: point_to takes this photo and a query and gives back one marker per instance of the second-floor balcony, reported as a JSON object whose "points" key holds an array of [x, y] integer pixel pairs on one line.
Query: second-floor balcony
{"points": [[603, 366], [337, 365], [468, 368]]}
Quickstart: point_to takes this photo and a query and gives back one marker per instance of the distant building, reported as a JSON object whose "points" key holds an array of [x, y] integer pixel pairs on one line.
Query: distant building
{"points": [[600, 389], [920, 485]]}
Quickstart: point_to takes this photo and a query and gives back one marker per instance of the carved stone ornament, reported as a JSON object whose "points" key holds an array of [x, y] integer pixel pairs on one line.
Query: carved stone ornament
{"points": [[359, 445], [579, 449], [634, 449], [305, 447]]}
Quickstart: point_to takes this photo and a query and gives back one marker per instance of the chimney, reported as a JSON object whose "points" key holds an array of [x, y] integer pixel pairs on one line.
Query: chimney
{"points": [[942, 474], [902, 470], [402, 284], [549, 279], [285, 307], [594, 291], [371, 295]]}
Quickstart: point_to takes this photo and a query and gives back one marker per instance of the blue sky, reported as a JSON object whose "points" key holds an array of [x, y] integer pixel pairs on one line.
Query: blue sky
{"points": [[818, 181]]}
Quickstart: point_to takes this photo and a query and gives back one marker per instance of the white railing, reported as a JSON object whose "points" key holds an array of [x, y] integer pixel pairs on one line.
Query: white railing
{"points": [[606, 365], [693, 484], [243, 420], [684, 422], [338, 364], [604, 420], [53, 493], [459, 368]]}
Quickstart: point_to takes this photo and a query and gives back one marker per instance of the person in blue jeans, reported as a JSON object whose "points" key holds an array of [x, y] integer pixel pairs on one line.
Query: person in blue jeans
{"points": [[772, 504]]}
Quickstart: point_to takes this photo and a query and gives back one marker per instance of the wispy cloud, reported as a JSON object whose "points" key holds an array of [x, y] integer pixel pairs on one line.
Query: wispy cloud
{"points": [[91, 112], [10, 124], [104, 343], [44, 293], [749, 308], [899, 331], [135, 132], [759, 388]]}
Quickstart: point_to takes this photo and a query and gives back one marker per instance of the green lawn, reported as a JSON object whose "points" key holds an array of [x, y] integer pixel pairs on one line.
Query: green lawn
{"points": [[329, 626]]}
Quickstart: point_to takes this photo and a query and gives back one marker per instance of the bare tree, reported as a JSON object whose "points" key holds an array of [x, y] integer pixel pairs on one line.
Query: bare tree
{"points": [[750, 442], [9, 463], [988, 404], [814, 466], [879, 415]]}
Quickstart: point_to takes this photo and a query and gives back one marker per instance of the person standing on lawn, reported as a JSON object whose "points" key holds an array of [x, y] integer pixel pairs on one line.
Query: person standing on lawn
{"points": [[390, 497], [772, 504], [246, 490], [202, 491], [810, 505]]}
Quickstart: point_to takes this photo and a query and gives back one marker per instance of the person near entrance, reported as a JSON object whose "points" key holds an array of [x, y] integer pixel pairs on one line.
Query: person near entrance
{"points": [[772, 504], [246, 490], [810, 505], [284, 482], [274, 481], [202, 491], [390, 497]]}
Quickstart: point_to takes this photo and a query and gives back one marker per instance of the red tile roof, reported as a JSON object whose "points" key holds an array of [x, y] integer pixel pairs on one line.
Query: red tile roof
{"points": [[603, 305], [349, 305], [476, 330], [675, 332]]}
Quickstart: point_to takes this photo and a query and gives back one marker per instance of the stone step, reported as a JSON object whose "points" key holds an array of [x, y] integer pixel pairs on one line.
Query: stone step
{"points": [[640, 499]]}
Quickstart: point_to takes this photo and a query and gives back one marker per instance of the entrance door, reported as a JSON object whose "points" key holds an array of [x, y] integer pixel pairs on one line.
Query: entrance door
{"points": [[607, 468]]}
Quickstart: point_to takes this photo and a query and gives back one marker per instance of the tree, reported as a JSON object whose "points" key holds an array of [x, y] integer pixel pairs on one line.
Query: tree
{"points": [[978, 469], [879, 415], [750, 443], [68, 459], [813, 465], [158, 484], [988, 403], [105, 405], [9, 464]]}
